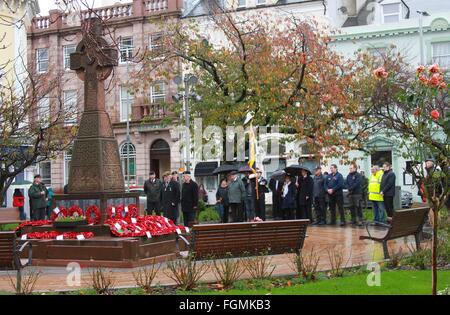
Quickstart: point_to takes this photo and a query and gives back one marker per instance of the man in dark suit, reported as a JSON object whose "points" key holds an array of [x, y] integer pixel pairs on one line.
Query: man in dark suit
{"points": [[276, 186], [170, 197], [189, 199], [387, 188], [305, 196]]}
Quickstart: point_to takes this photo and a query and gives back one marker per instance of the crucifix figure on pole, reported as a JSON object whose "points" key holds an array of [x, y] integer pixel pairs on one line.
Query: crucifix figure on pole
{"points": [[95, 165]]}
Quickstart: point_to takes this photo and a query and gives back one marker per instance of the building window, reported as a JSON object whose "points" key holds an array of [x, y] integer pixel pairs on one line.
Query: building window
{"points": [[260, 2], [126, 100], [156, 42], [43, 110], [67, 51], [392, 12], [242, 3], [45, 170], [67, 160], [441, 54], [126, 49], [70, 107], [128, 162], [158, 92], [42, 60]]}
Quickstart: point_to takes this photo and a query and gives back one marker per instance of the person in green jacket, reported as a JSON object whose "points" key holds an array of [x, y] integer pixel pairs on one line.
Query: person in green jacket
{"points": [[38, 198], [236, 196], [50, 194]]}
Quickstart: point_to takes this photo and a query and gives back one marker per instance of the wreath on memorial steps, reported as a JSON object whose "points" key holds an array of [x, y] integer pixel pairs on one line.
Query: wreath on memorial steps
{"points": [[58, 212], [130, 211], [93, 220], [51, 235], [75, 210], [113, 212]]}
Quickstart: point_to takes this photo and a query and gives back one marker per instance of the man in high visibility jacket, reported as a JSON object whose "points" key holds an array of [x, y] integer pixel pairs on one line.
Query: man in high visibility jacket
{"points": [[374, 194]]}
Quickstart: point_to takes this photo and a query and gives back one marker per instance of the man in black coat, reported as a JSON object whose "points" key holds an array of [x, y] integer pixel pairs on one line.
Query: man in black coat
{"points": [[189, 199], [276, 186], [387, 188], [305, 196], [354, 185], [170, 197], [152, 189], [319, 193]]}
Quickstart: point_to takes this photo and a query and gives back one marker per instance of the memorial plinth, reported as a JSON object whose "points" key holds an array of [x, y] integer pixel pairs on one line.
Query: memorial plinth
{"points": [[95, 176]]}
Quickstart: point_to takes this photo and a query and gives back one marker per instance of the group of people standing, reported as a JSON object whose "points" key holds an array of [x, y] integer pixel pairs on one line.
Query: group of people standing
{"points": [[296, 196], [242, 199]]}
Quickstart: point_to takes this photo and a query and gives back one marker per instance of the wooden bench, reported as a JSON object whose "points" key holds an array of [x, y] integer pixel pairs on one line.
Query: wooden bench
{"points": [[9, 215], [246, 238], [11, 253], [404, 223]]}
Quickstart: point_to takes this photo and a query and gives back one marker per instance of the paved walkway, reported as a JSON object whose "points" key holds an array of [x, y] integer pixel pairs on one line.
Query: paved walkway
{"points": [[320, 239]]}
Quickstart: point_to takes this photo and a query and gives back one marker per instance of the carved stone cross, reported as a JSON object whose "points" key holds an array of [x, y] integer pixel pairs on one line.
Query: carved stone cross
{"points": [[95, 165]]}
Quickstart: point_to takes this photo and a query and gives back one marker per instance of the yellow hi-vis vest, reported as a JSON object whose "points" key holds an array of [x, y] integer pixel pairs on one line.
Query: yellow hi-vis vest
{"points": [[374, 186]]}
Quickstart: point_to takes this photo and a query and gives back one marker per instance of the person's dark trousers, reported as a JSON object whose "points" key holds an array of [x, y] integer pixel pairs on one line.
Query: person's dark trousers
{"points": [[304, 212], [188, 218], [39, 214], [237, 213], [226, 210], [389, 205], [319, 208], [171, 214], [336, 200], [261, 208], [364, 200], [288, 214], [153, 206], [355, 207], [48, 213], [277, 213], [22, 214]]}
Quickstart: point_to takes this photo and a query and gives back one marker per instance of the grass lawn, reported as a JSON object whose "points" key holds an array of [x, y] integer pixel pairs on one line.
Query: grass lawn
{"points": [[392, 282]]}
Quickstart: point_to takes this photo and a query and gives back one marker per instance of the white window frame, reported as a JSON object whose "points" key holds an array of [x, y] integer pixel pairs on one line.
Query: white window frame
{"points": [[123, 101], [66, 55], [398, 13], [123, 160], [151, 45], [154, 96], [126, 49], [67, 160], [435, 59], [261, 2], [70, 104], [46, 180], [43, 110], [41, 62], [241, 3]]}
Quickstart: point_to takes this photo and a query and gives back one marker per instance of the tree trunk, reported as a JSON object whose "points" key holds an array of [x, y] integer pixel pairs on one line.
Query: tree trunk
{"points": [[434, 251]]}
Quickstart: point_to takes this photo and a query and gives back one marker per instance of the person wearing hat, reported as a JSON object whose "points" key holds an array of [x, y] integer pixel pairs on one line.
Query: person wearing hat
{"points": [[170, 197], [305, 195], [288, 198], [236, 196], [38, 198], [319, 196], [153, 188], [189, 199]]}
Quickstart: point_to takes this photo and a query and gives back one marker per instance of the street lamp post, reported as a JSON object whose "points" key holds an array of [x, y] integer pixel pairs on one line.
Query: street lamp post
{"points": [[128, 134], [422, 54], [188, 80]]}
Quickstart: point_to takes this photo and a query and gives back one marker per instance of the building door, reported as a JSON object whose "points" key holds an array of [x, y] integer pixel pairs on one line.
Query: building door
{"points": [[379, 157], [159, 157]]}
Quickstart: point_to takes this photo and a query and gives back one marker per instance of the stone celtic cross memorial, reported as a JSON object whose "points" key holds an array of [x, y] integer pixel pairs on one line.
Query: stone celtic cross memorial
{"points": [[95, 165]]}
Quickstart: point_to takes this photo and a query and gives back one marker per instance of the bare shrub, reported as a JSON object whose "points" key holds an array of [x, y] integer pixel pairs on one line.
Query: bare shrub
{"points": [[227, 270], [102, 281], [305, 263], [259, 267], [144, 276], [337, 261], [186, 272], [396, 257], [24, 283]]}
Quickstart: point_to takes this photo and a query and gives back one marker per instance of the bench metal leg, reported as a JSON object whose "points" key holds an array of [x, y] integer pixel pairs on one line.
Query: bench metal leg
{"points": [[417, 236], [19, 281], [385, 250]]}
